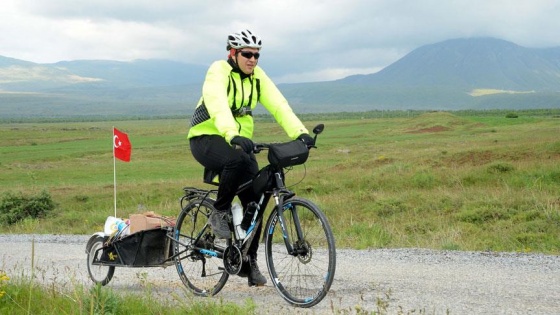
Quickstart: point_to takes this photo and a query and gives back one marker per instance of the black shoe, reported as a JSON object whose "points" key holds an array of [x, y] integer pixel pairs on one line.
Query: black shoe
{"points": [[255, 276], [219, 223]]}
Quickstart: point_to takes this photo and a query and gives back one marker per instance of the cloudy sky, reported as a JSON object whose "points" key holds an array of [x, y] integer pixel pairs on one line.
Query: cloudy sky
{"points": [[304, 40]]}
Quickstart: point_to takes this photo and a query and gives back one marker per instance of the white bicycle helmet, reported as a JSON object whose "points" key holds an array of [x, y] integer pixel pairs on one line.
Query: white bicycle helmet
{"points": [[244, 38]]}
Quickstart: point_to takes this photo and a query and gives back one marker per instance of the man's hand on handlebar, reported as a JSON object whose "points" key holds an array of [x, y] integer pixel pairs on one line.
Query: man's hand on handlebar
{"points": [[307, 139], [246, 144]]}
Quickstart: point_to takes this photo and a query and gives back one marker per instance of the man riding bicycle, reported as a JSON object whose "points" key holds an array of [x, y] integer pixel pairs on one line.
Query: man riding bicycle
{"points": [[222, 121]]}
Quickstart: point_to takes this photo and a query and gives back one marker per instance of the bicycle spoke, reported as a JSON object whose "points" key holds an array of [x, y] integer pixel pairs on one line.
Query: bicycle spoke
{"points": [[304, 278], [203, 274]]}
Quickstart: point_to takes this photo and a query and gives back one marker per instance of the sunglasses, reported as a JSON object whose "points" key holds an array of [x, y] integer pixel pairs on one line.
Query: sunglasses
{"points": [[249, 55]]}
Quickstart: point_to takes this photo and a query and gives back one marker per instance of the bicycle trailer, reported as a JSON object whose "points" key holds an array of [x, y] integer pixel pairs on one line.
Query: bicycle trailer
{"points": [[147, 248]]}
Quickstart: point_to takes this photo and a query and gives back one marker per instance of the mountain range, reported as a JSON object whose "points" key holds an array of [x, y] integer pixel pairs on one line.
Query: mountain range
{"points": [[468, 73]]}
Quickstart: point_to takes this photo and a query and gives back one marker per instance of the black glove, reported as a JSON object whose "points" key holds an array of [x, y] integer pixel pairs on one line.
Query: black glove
{"points": [[245, 143], [307, 139]]}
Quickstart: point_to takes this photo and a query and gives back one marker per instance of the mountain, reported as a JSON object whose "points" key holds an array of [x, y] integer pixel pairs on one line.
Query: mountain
{"points": [[20, 75], [98, 87], [471, 73], [471, 64], [474, 73], [138, 73]]}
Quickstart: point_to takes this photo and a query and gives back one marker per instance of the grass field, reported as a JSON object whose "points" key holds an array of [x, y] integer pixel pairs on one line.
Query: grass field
{"points": [[436, 180]]}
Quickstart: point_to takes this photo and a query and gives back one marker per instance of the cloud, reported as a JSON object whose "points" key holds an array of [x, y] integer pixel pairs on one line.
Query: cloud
{"points": [[303, 40]]}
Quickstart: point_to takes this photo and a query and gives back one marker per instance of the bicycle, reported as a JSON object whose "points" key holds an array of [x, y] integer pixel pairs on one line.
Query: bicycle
{"points": [[299, 243]]}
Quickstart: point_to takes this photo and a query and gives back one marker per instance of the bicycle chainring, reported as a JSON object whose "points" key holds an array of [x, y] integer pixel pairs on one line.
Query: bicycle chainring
{"points": [[233, 260]]}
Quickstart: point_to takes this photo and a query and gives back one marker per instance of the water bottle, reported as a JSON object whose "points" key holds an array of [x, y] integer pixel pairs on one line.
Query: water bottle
{"points": [[237, 212], [249, 215]]}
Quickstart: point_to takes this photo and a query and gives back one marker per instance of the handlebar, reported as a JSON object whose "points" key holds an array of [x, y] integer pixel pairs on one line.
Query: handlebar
{"points": [[258, 147], [264, 146]]}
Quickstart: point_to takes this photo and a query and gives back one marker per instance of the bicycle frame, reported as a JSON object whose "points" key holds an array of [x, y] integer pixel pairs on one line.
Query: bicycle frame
{"points": [[276, 190], [192, 195]]}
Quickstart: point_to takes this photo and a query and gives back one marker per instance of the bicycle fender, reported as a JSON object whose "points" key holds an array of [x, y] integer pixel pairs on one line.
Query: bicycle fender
{"points": [[92, 239]]}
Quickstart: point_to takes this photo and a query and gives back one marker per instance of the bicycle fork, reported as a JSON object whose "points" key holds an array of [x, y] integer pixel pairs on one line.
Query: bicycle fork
{"points": [[279, 196]]}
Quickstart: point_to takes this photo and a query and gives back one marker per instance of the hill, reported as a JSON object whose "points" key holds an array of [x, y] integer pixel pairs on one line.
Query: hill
{"points": [[474, 73], [472, 64]]}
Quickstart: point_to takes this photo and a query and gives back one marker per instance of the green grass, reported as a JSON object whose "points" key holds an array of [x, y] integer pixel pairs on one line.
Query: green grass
{"points": [[461, 181], [22, 295]]}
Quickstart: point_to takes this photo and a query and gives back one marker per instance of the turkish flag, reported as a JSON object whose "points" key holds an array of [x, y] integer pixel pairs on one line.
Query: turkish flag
{"points": [[121, 145]]}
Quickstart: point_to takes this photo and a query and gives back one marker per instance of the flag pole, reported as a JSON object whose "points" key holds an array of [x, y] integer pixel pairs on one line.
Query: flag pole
{"points": [[122, 148], [114, 174]]}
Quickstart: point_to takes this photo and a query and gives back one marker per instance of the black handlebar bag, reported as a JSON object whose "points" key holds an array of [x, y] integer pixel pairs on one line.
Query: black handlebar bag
{"points": [[288, 154]]}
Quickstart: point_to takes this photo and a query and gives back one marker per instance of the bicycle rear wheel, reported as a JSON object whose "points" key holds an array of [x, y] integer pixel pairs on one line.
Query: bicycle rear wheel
{"points": [[302, 279], [196, 250]]}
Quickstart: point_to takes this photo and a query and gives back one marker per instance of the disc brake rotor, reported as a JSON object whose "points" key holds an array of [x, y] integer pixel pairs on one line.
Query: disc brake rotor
{"points": [[306, 247]]}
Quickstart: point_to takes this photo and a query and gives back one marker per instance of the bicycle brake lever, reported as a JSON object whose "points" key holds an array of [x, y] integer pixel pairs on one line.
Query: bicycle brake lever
{"points": [[257, 148]]}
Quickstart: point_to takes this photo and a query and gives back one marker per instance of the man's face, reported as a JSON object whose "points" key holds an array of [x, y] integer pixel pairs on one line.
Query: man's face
{"points": [[247, 59]]}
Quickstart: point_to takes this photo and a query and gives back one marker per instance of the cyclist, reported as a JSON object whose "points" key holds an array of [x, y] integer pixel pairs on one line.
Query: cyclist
{"points": [[222, 123]]}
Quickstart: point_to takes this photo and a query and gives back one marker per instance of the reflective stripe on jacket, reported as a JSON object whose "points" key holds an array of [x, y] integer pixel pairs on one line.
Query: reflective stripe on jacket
{"points": [[224, 94]]}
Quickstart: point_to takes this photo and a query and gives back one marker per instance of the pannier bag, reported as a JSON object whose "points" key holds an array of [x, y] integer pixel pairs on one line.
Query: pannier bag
{"points": [[288, 154]]}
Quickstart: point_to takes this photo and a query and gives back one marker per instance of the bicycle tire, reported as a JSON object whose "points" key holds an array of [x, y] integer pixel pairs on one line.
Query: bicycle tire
{"points": [[302, 280], [99, 274], [201, 273]]}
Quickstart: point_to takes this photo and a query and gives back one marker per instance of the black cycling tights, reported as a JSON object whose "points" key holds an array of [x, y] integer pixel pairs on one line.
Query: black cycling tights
{"points": [[235, 167]]}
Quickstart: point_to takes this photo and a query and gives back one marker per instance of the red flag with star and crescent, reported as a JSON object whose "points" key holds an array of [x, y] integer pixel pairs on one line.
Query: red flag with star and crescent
{"points": [[121, 145]]}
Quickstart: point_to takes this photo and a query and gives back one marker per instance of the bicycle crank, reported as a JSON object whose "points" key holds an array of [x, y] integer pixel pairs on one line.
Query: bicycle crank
{"points": [[232, 260]]}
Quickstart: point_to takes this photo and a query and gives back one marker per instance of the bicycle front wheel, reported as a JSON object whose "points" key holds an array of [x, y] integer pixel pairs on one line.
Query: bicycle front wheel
{"points": [[196, 250], [304, 277]]}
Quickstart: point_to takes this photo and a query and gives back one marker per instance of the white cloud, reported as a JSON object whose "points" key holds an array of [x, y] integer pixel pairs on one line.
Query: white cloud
{"points": [[303, 40], [324, 75]]}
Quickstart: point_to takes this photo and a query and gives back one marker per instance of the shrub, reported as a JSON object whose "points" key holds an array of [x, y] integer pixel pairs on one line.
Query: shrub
{"points": [[499, 167], [16, 207], [512, 115], [483, 214], [424, 180]]}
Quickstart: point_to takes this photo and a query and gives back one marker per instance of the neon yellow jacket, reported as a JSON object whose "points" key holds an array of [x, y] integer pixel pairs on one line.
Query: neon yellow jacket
{"points": [[224, 93]]}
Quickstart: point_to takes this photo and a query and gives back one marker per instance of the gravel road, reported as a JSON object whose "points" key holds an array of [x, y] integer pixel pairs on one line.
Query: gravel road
{"points": [[416, 281]]}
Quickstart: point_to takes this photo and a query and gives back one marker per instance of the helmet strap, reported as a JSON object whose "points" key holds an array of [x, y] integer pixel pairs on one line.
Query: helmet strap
{"points": [[233, 63]]}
